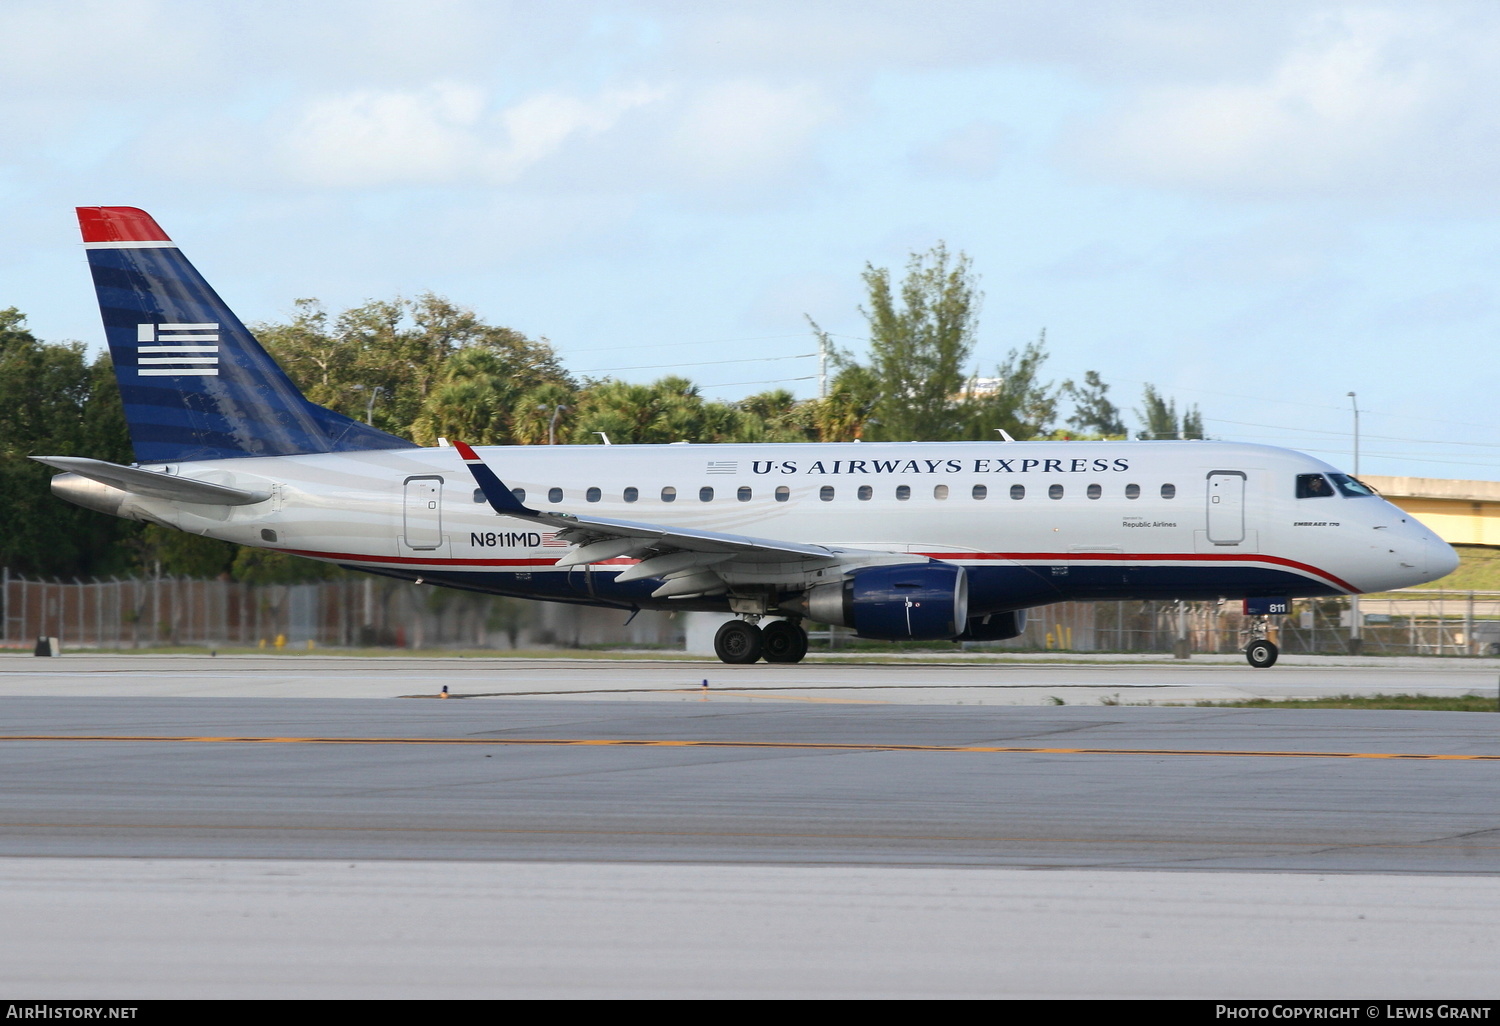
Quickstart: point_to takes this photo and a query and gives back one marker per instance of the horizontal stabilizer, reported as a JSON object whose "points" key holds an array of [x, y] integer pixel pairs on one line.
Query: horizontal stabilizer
{"points": [[155, 485]]}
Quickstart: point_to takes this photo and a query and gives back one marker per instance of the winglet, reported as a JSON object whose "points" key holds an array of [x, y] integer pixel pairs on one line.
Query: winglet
{"points": [[501, 499]]}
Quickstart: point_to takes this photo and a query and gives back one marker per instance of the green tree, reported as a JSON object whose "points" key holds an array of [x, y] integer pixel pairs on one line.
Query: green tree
{"points": [[1093, 413], [841, 415], [179, 554], [544, 414], [1021, 404], [920, 341], [668, 410], [53, 403], [267, 566], [1159, 417], [772, 416], [393, 362]]}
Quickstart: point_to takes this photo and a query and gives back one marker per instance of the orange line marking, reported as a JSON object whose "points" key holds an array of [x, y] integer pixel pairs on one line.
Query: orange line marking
{"points": [[804, 745]]}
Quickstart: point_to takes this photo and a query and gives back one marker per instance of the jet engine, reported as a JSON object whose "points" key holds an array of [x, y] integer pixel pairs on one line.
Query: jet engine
{"points": [[919, 601], [995, 626]]}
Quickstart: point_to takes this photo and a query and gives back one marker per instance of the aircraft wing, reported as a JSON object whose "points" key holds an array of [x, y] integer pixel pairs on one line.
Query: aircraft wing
{"points": [[679, 554]]}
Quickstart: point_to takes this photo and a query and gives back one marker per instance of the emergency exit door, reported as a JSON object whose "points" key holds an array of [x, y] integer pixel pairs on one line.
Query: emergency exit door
{"points": [[1226, 507], [422, 526]]}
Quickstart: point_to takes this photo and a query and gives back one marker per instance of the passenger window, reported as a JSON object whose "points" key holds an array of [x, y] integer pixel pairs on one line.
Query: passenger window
{"points": [[980, 491], [631, 494], [705, 494], [1018, 491], [743, 494], [783, 493], [1132, 491], [865, 493], [1169, 491], [903, 492], [593, 495], [1055, 492], [669, 494], [940, 492], [554, 495], [1095, 491], [826, 493], [1313, 486], [519, 493]]}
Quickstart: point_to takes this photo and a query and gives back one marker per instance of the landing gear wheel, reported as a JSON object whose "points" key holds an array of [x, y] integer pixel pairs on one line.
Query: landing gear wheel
{"points": [[738, 642], [1261, 654], [785, 642]]}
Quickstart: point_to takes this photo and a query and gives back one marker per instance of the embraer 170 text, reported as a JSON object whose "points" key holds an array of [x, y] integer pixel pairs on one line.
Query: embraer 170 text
{"points": [[913, 540]]}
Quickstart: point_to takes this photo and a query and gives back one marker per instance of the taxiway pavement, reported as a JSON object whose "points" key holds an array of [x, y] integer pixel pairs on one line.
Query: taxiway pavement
{"points": [[902, 682], [280, 826]]}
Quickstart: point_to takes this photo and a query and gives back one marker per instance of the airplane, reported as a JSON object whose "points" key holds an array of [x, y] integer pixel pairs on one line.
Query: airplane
{"points": [[898, 541]]}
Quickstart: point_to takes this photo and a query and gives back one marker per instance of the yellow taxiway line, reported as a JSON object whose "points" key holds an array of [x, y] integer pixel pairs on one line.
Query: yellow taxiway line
{"points": [[795, 745]]}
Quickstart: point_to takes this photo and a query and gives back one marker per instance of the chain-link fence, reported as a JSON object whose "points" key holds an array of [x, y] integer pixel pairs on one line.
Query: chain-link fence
{"points": [[366, 612], [1412, 622]]}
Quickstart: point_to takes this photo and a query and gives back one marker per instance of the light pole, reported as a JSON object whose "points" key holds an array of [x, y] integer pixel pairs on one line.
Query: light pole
{"points": [[369, 406], [1354, 401], [552, 424], [1356, 639]]}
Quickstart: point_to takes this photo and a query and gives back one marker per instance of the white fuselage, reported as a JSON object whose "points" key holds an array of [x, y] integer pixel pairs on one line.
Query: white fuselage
{"points": [[1032, 522]]}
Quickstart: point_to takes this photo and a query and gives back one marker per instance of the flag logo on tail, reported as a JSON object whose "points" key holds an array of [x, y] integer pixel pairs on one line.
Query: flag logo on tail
{"points": [[177, 349]]}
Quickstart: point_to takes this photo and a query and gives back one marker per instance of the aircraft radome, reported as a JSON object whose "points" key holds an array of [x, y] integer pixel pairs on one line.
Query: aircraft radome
{"points": [[912, 540]]}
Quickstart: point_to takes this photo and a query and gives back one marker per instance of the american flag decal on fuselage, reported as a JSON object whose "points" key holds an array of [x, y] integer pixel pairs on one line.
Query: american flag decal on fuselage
{"points": [[177, 349]]}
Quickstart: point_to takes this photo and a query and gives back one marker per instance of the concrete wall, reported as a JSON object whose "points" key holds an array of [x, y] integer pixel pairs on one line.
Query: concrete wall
{"points": [[1460, 512]]}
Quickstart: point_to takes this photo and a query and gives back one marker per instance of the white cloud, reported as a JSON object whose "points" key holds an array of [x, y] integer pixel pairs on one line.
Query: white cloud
{"points": [[443, 134], [1367, 102], [745, 132]]}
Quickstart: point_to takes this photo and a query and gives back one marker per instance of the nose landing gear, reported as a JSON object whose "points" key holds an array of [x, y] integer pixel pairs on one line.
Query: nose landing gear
{"points": [[1260, 652]]}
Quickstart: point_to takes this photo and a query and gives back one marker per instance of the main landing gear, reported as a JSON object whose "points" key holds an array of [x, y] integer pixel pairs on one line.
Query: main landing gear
{"points": [[781, 641]]}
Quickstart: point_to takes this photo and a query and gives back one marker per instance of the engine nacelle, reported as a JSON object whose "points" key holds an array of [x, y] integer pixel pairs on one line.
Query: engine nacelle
{"points": [[916, 602], [996, 626]]}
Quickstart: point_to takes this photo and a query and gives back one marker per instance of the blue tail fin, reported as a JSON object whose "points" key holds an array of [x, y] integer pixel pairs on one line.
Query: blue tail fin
{"points": [[195, 383]]}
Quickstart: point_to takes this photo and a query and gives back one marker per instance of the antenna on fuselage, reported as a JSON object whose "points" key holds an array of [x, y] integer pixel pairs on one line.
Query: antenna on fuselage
{"points": [[1004, 434]]}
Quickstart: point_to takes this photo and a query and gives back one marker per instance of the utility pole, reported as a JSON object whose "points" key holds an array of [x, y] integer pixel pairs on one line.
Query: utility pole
{"points": [[1356, 619], [822, 365]]}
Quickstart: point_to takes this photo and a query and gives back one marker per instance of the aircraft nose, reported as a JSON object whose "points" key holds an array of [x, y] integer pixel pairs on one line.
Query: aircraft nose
{"points": [[1442, 558]]}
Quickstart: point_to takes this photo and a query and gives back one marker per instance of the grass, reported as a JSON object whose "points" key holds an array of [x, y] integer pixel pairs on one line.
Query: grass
{"points": [[1478, 570], [1423, 703]]}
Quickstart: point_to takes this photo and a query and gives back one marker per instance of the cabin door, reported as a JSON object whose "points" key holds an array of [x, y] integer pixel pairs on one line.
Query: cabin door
{"points": [[1226, 507], [422, 526]]}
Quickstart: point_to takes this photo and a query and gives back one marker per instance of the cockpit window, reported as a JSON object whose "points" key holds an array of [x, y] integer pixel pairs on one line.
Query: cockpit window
{"points": [[1313, 486], [1351, 486]]}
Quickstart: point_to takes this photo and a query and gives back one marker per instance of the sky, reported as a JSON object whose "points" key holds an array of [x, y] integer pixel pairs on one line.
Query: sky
{"points": [[1257, 207]]}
